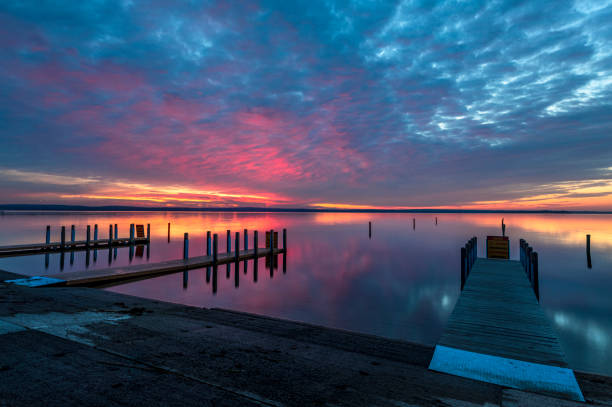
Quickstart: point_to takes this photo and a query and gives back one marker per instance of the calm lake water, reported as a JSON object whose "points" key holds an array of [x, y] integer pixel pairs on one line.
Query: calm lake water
{"points": [[400, 283]]}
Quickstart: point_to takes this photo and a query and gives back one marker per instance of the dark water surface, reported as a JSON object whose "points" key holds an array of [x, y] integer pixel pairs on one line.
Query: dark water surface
{"points": [[400, 283]]}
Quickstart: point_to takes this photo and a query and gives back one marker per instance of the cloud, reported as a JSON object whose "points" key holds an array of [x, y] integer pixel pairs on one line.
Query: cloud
{"points": [[395, 104]]}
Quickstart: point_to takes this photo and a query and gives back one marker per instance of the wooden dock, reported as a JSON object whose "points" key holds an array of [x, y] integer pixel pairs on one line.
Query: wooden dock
{"points": [[137, 237], [79, 245], [115, 274], [140, 271], [498, 333]]}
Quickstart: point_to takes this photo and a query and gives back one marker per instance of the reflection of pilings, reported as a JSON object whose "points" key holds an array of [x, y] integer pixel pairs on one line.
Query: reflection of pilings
{"points": [[413, 223], [229, 249], [237, 262], [214, 279], [208, 250], [168, 232], [588, 251], [215, 258], [62, 261], [255, 266], [46, 260], [370, 230], [87, 254], [256, 259], [71, 258], [185, 257], [95, 256], [110, 255], [148, 250], [436, 221], [131, 253], [115, 253]]}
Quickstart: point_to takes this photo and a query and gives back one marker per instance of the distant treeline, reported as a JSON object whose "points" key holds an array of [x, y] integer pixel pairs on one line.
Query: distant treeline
{"points": [[82, 208]]}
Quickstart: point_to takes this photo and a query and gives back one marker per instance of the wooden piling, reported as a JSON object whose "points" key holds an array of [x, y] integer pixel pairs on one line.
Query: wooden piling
{"points": [[116, 232], [88, 236], [285, 240], [110, 237], [72, 233], [63, 238], [95, 233], [48, 235], [168, 232], [588, 251], [436, 221], [237, 247], [370, 229], [186, 246], [413, 223], [148, 232], [529, 264], [228, 239], [215, 250], [536, 278], [463, 261], [208, 243], [255, 244], [131, 233]]}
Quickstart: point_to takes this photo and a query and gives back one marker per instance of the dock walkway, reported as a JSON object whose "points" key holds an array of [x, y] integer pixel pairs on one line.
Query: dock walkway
{"points": [[115, 274], [499, 333]]}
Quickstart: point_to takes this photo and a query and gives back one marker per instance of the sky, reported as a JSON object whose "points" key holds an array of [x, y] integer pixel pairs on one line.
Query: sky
{"points": [[322, 104]]}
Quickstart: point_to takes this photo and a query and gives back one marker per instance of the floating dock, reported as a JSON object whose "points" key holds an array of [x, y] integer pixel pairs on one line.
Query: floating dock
{"points": [[498, 332]]}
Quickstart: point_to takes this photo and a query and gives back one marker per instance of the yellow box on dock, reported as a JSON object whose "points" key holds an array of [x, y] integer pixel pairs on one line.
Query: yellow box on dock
{"points": [[498, 247]]}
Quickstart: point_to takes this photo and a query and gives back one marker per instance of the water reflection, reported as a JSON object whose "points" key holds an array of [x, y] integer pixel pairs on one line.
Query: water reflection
{"points": [[395, 281]]}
